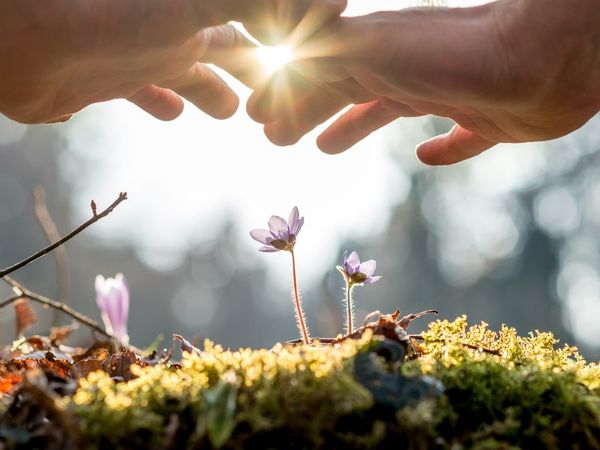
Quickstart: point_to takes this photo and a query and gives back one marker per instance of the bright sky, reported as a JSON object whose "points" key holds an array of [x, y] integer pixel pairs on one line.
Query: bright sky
{"points": [[185, 177]]}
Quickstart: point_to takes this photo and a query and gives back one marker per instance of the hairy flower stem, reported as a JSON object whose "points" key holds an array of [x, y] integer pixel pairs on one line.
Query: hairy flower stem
{"points": [[299, 313], [349, 309]]}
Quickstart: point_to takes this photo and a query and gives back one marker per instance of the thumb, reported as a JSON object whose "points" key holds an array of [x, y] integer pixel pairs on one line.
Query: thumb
{"points": [[455, 146]]}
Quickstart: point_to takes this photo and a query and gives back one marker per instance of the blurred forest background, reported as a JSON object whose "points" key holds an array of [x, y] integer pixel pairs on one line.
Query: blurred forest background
{"points": [[512, 236]]}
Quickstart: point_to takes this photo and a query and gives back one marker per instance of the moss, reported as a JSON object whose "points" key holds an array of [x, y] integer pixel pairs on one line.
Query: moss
{"points": [[306, 388], [500, 391], [530, 395]]}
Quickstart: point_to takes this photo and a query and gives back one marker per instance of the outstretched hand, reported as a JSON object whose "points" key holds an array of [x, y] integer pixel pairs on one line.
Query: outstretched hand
{"points": [[504, 72], [59, 57]]}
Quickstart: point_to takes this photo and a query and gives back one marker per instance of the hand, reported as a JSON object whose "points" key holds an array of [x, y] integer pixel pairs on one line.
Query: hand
{"points": [[59, 57], [509, 71]]}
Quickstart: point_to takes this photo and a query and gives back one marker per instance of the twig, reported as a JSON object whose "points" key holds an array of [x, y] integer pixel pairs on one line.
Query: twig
{"points": [[48, 225], [95, 218], [23, 292], [490, 351]]}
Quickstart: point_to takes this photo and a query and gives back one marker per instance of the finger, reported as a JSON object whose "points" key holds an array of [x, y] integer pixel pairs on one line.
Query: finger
{"points": [[233, 52], [286, 88], [455, 146], [359, 122], [289, 130], [316, 108], [205, 90], [164, 104]]}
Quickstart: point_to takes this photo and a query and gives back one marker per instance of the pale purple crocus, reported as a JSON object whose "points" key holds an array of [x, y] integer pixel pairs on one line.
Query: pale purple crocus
{"points": [[112, 297], [355, 273], [281, 235]]}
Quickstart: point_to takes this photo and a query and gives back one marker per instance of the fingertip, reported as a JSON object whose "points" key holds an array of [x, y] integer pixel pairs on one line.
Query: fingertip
{"points": [[254, 109], [280, 136], [453, 147], [330, 146], [226, 108], [428, 153], [170, 112], [163, 104]]}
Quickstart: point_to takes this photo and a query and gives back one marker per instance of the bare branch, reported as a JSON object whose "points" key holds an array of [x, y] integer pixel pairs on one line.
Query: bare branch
{"points": [[72, 234], [52, 235], [22, 292]]}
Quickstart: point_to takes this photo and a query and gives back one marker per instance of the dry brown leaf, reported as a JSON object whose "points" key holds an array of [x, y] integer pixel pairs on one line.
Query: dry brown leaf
{"points": [[59, 334], [25, 316], [84, 367], [118, 365], [8, 381], [59, 367]]}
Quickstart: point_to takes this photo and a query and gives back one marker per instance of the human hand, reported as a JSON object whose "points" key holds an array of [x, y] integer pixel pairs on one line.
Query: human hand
{"points": [[58, 58], [504, 72]]}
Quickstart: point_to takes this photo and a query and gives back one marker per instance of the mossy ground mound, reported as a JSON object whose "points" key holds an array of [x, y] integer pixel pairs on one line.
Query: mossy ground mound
{"points": [[499, 391]]}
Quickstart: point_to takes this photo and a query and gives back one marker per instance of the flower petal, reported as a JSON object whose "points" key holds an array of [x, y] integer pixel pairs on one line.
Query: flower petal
{"points": [[293, 220], [121, 285], [372, 280], [298, 226], [278, 226], [348, 268], [261, 235], [100, 287], [353, 261], [368, 267], [344, 257], [268, 249]]}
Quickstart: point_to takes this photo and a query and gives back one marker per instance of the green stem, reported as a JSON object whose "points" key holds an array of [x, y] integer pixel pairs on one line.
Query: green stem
{"points": [[299, 313]]}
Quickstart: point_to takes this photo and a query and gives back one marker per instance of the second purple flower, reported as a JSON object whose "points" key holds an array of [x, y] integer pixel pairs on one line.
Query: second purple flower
{"points": [[355, 273]]}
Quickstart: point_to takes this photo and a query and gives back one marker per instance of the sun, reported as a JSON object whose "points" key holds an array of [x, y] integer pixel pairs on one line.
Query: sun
{"points": [[273, 58]]}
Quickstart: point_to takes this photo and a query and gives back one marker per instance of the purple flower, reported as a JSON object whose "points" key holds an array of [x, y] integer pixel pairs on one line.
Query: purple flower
{"points": [[112, 297], [281, 235], [355, 272]]}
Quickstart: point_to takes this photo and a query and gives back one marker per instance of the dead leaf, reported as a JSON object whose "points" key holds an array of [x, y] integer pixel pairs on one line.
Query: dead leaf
{"points": [[41, 360], [186, 346], [8, 381], [25, 316], [38, 342], [405, 321], [118, 365], [59, 334], [84, 367]]}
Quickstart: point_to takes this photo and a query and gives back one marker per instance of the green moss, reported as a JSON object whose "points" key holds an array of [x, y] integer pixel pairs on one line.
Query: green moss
{"points": [[501, 391], [530, 395]]}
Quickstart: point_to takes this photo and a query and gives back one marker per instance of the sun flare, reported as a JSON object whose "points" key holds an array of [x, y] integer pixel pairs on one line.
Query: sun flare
{"points": [[273, 58]]}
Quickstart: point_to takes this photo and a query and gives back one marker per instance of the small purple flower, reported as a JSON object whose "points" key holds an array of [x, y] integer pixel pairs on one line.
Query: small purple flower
{"points": [[112, 297], [281, 235], [355, 272]]}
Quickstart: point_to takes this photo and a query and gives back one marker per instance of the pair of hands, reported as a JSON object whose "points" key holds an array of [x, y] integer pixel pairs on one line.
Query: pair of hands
{"points": [[504, 72]]}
